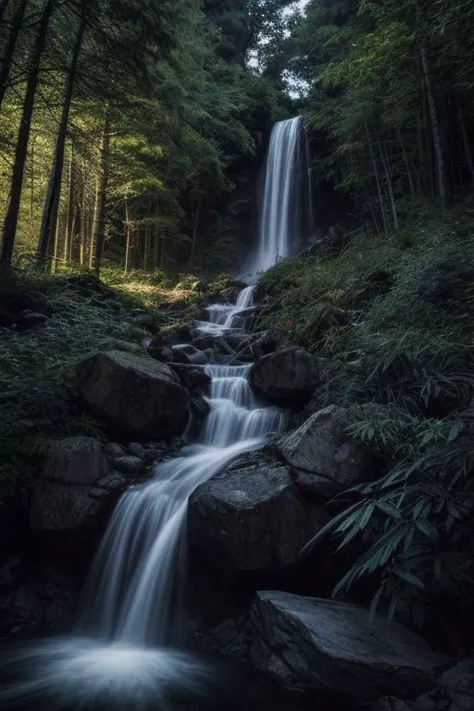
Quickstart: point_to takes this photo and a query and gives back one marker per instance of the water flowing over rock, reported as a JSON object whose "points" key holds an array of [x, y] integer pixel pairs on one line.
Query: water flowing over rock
{"points": [[252, 518], [134, 394], [318, 645], [287, 377], [323, 457]]}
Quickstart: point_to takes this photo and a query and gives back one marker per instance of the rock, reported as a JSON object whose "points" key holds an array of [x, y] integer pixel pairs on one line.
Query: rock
{"points": [[114, 450], [316, 645], [134, 394], [252, 518], [27, 320], [11, 573], [391, 704], [161, 353], [137, 449], [322, 456], [230, 294], [458, 685], [44, 605], [63, 496], [129, 464], [287, 377], [14, 522], [188, 354], [200, 408], [194, 379]]}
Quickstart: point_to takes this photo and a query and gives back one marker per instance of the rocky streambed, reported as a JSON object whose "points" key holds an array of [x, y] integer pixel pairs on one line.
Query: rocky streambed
{"points": [[253, 597]]}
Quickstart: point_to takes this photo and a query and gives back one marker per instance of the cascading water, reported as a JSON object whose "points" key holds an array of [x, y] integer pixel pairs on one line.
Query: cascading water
{"points": [[285, 212], [130, 605]]}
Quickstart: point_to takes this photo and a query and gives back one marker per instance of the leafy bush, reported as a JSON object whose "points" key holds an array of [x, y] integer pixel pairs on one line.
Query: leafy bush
{"points": [[415, 521], [396, 319]]}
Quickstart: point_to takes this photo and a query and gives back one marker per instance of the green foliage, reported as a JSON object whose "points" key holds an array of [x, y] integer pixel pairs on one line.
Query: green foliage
{"points": [[415, 521], [395, 317], [38, 388]]}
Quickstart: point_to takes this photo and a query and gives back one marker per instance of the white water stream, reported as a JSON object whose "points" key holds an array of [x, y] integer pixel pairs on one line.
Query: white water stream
{"points": [[132, 598]]}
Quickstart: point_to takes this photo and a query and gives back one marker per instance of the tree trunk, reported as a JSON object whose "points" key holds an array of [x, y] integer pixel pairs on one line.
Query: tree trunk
{"points": [[127, 239], [388, 178], [377, 180], [51, 204], [407, 165], [162, 257], [21, 151], [99, 211], [438, 147], [3, 7], [68, 235], [195, 229], [7, 58], [465, 138]]}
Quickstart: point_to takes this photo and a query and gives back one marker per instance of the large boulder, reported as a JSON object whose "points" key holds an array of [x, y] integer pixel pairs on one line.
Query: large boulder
{"points": [[73, 488], [252, 518], [321, 455], [188, 354], [134, 394], [316, 645], [287, 377]]}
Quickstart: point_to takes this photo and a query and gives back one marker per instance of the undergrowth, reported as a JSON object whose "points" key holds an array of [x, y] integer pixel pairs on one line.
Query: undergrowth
{"points": [[63, 319], [395, 319]]}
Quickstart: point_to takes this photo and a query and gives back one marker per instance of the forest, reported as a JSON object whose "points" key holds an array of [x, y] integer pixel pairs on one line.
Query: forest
{"points": [[133, 137]]}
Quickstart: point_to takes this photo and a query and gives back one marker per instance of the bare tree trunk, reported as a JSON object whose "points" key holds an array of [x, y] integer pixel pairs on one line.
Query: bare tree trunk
{"points": [[11, 218], [7, 58], [465, 138], [407, 165], [377, 180], [3, 7], [127, 238], [195, 229], [388, 178], [68, 235], [99, 212], [162, 256], [32, 178], [156, 239], [51, 204], [438, 147]]}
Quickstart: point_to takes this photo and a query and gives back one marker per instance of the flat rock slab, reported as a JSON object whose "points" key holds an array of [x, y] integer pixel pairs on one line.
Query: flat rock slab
{"points": [[317, 645]]}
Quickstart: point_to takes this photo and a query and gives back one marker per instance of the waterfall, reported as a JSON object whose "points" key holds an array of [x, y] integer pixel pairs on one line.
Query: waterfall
{"points": [[131, 604], [285, 211]]}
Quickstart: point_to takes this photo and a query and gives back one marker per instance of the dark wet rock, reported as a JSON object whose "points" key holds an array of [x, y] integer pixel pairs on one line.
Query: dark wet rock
{"points": [[11, 574], [200, 408], [317, 645], [68, 496], [161, 352], [322, 456], [137, 449], [188, 354], [14, 522], [194, 379], [114, 450], [44, 601], [230, 294], [390, 703], [252, 518], [129, 464], [134, 394], [230, 638], [287, 377]]}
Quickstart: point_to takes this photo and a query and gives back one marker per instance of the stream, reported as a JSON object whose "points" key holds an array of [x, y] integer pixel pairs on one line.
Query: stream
{"points": [[131, 606]]}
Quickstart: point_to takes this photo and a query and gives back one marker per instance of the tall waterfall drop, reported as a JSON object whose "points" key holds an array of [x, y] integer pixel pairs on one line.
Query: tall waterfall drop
{"points": [[128, 653], [286, 201]]}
